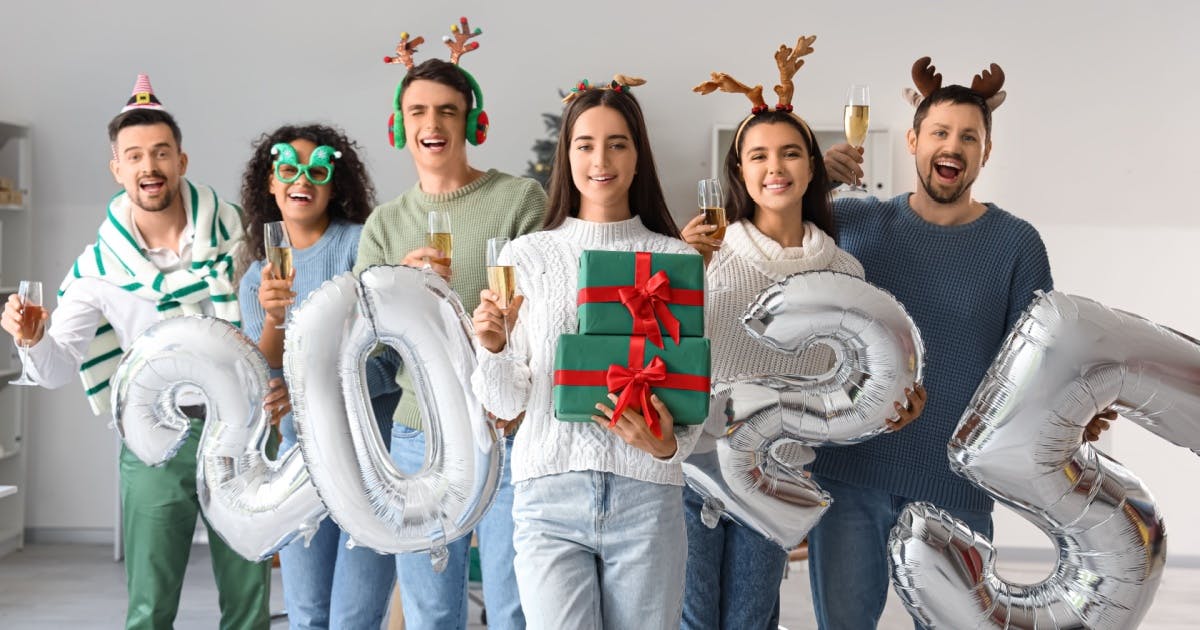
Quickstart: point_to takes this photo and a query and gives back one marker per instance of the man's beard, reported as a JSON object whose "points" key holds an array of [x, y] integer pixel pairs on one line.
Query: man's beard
{"points": [[953, 196], [163, 202]]}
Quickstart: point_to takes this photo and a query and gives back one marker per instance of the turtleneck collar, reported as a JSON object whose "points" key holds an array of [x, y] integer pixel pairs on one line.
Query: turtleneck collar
{"points": [[596, 235], [746, 241]]}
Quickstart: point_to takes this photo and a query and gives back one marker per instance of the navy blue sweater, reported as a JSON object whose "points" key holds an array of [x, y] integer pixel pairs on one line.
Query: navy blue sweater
{"points": [[964, 286]]}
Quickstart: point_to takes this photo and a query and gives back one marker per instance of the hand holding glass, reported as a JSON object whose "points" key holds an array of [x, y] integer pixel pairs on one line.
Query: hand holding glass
{"points": [[30, 293], [857, 120], [502, 280], [279, 251], [712, 204]]}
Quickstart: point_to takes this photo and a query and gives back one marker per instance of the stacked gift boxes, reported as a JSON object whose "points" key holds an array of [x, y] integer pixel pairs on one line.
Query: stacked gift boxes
{"points": [[641, 330]]}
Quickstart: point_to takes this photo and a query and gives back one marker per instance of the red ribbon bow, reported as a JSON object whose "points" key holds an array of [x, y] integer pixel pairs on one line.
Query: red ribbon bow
{"points": [[634, 387], [647, 302]]}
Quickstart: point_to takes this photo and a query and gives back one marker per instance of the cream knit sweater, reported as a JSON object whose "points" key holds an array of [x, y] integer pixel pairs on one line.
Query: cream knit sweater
{"points": [[751, 261], [547, 265]]}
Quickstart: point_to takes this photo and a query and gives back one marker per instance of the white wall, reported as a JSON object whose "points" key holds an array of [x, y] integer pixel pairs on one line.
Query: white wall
{"points": [[1094, 145]]}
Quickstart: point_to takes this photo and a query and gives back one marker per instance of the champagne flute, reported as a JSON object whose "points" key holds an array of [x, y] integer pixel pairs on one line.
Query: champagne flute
{"points": [[857, 119], [30, 292], [440, 237], [502, 280], [712, 204], [279, 253]]}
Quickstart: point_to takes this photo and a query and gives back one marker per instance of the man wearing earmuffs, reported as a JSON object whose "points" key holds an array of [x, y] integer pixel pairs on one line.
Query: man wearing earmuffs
{"points": [[438, 109]]}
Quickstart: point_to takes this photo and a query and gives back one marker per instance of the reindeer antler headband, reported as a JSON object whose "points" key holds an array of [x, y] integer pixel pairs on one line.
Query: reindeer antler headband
{"points": [[458, 44], [619, 83], [986, 84], [789, 61]]}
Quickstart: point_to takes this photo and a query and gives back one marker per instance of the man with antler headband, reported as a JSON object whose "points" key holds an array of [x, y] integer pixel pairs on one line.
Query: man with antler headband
{"points": [[438, 109], [965, 270]]}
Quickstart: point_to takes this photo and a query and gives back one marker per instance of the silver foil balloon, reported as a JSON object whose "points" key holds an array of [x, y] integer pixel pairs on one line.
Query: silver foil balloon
{"points": [[328, 341], [1067, 359], [766, 424], [256, 505]]}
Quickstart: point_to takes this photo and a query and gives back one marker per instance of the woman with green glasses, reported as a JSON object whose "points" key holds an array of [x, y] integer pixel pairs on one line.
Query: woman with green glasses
{"points": [[310, 178]]}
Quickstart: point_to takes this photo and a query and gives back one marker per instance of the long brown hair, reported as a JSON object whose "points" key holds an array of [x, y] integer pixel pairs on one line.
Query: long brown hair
{"points": [[353, 195], [646, 199], [816, 206]]}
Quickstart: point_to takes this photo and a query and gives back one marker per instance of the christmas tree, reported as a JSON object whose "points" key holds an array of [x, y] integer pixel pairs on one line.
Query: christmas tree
{"points": [[543, 150]]}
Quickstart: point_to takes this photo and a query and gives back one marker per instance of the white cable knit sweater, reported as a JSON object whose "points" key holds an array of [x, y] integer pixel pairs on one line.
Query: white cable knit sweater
{"points": [[547, 266], [752, 261]]}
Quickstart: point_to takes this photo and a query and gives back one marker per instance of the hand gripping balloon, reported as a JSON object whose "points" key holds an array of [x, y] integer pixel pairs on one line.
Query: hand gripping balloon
{"points": [[1067, 359], [328, 340], [770, 422], [257, 505]]}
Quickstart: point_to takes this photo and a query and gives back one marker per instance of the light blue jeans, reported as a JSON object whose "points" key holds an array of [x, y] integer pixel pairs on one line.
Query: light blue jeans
{"points": [[326, 585], [597, 550], [733, 574], [438, 601], [848, 557]]}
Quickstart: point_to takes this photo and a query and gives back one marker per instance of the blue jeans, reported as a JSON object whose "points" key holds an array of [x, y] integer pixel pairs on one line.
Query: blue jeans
{"points": [[597, 550], [326, 585], [848, 558], [733, 574], [438, 601]]}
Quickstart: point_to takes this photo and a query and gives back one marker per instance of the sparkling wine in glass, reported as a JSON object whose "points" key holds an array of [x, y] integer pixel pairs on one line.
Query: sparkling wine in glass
{"points": [[279, 251], [440, 236], [502, 280], [30, 293], [857, 119], [712, 203]]}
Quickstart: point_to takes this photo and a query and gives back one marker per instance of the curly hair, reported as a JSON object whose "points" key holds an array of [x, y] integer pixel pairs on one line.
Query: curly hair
{"points": [[353, 195]]}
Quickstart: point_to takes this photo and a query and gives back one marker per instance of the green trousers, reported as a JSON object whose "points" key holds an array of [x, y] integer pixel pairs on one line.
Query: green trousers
{"points": [[160, 508]]}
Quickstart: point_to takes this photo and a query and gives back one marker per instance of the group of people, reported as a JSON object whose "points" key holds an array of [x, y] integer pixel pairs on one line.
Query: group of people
{"points": [[592, 526]]}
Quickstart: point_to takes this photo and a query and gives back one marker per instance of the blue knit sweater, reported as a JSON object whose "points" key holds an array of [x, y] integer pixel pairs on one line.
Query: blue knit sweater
{"points": [[965, 286], [331, 255]]}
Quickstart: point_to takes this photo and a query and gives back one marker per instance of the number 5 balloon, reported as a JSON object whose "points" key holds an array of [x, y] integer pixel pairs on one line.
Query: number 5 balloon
{"points": [[1067, 359]]}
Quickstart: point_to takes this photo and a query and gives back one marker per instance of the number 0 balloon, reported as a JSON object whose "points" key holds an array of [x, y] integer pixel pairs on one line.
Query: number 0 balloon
{"points": [[1067, 359]]}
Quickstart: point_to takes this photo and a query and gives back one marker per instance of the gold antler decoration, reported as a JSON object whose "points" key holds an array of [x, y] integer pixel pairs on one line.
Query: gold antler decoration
{"points": [[726, 83], [405, 50], [459, 44], [789, 62]]}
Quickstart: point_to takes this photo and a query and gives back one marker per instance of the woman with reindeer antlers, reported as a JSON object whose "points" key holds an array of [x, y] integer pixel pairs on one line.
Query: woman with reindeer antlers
{"points": [[780, 223], [598, 509]]}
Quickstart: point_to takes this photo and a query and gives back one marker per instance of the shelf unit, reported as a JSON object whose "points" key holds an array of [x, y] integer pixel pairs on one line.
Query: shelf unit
{"points": [[16, 243]]}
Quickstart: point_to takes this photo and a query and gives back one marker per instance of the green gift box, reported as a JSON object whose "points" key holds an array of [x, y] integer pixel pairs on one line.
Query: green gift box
{"points": [[666, 291], [586, 365]]}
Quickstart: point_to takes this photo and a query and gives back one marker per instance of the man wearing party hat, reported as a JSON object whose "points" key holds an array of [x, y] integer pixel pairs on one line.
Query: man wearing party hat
{"points": [[164, 249], [437, 111]]}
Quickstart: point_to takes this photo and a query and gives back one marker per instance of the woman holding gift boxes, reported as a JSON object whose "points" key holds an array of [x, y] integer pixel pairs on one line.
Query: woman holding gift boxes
{"points": [[598, 508], [779, 223]]}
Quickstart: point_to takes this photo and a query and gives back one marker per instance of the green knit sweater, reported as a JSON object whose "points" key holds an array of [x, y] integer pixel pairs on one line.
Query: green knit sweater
{"points": [[496, 204]]}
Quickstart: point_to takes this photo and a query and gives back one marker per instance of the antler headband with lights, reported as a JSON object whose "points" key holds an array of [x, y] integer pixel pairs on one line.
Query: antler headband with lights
{"points": [[459, 44], [619, 83], [789, 61], [986, 84]]}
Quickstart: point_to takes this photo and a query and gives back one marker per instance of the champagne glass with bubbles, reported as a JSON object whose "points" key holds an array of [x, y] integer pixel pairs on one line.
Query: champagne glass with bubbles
{"points": [[440, 237], [857, 119], [502, 280], [30, 293], [712, 204], [279, 252]]}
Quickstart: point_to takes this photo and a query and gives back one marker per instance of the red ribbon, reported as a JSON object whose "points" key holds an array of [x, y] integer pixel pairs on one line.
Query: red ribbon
{"points": [[633, 383], [648, 300]]}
